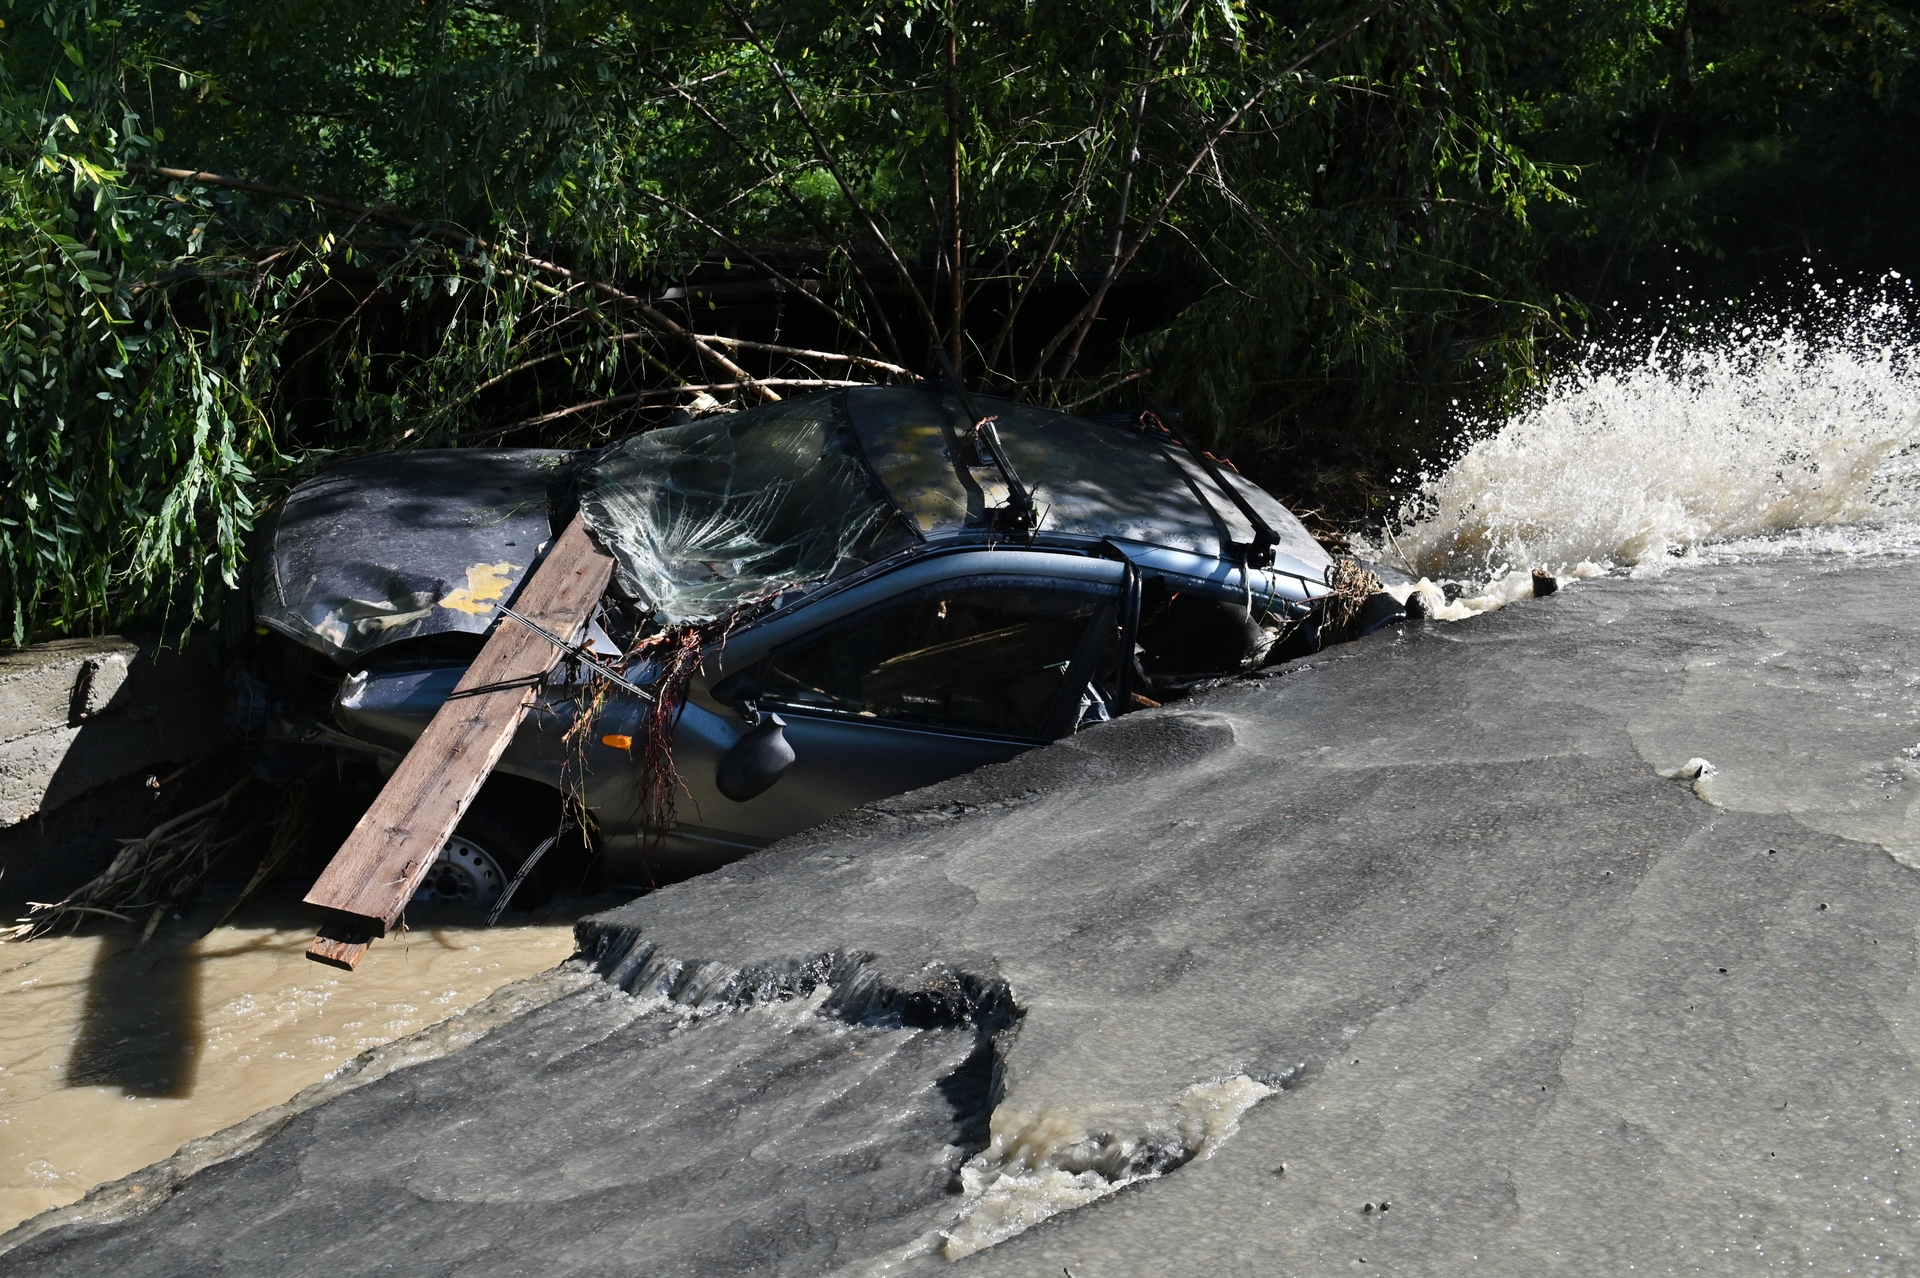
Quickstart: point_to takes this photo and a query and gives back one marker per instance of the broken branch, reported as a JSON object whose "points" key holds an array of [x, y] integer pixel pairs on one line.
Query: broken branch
{"points": [[833, 167], [666, 392], [451, 234], [796, 352]]}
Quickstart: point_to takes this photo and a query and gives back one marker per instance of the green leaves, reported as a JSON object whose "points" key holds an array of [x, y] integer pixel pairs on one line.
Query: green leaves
{"points": [[131, 431], [1420, 200]]}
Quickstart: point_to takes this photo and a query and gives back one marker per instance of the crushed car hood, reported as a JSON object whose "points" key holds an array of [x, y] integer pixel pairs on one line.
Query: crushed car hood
{"points": [[401, 545]]}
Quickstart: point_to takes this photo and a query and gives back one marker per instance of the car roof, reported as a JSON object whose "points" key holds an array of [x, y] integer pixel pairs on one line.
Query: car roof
{"points": [[1088, 479], [738, 508], [722, 512]]}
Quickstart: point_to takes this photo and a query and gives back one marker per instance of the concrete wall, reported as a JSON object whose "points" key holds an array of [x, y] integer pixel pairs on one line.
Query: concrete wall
{"points": [[78, 713]]}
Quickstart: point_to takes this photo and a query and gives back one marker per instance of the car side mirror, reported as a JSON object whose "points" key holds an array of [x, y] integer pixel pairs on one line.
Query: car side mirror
{"points": [[757, 760]]}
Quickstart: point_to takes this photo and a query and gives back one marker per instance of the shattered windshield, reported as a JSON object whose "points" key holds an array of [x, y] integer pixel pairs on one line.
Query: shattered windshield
{"points": [[704, 517]]}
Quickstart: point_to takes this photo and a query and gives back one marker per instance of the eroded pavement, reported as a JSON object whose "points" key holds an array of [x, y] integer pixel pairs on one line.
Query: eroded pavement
{"points": [[1407, 958]]}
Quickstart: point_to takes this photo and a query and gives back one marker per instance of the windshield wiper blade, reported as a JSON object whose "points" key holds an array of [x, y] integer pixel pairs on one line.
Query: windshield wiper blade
{"points": [[1259, 552], [578, 652], [1019, 500]]}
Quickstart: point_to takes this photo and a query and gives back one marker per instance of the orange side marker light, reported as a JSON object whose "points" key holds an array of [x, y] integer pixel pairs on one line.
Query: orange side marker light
{"points": [[618, 740]]}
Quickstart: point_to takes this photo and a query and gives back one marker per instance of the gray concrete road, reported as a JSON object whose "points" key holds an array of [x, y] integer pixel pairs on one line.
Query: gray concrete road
{"points": [[1514, 1000]]}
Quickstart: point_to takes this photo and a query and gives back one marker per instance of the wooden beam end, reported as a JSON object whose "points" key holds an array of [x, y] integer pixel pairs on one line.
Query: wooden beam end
{"points": [[337, 947]]}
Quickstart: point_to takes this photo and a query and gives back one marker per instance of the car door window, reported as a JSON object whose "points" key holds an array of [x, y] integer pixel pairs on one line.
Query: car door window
{"points": [[979, 660]]}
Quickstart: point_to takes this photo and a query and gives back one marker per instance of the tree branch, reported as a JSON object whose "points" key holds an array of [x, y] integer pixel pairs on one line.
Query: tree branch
{"points": [[666, 392], [454, 235], [957, 265], [750, 256], [1085, 316], [833, 167], [795, 352], [1126, 187], [799, 205], [1066, 219]]}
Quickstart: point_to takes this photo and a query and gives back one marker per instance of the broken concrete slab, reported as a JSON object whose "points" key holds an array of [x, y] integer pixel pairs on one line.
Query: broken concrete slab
{"points": [[78, 713], [797, 1133], [1503, 995]]}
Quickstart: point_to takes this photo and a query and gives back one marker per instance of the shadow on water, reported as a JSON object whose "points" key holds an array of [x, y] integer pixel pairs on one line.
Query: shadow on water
{"points": [[141, 1026], [140, 1029], [969, 1093]]}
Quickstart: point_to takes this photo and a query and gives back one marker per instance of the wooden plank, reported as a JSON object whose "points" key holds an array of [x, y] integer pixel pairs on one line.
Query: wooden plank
{"points": [[376, 871], [337, 947]]}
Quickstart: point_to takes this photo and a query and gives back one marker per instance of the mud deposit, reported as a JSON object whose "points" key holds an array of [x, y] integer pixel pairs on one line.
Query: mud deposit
{"points": [[112, 1056], [1409, 959]]}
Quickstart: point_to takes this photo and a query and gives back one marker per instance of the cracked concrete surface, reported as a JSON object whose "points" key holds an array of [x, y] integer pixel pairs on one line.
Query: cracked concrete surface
{"points": [[78, 713], [1528, 1003]]}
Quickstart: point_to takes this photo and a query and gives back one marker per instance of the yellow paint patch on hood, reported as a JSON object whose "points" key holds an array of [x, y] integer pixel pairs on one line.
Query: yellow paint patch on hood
{"points": [[486, 583]]}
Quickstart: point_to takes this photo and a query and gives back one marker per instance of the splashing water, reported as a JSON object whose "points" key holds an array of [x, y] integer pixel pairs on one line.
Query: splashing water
{"points": [[1038, 1166], [1639, 463]]}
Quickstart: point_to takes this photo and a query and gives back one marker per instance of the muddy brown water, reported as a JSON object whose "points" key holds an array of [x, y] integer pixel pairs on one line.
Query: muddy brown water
{"points": [[113, 1055]]}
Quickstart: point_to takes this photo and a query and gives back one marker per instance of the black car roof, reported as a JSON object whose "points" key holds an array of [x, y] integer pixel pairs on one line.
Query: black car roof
{"points": [[725, 510], [1087, 479]]}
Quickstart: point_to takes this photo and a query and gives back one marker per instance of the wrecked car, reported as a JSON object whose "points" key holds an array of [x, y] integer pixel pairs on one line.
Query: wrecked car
{"points": [[825, 601]]}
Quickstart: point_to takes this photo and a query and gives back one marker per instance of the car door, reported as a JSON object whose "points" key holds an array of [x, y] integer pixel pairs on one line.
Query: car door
{"points": [[926, 685]]}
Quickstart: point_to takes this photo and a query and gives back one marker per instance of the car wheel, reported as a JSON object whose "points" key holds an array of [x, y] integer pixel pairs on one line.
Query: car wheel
{"points": [[480, 860]]}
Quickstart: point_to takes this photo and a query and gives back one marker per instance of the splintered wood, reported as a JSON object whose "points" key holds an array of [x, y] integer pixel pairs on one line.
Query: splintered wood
{"points": [[375, 873]]}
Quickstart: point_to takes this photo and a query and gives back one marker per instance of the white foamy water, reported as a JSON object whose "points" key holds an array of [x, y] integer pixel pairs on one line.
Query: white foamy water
{"points": [[1038, 1166], [1749, 445]]}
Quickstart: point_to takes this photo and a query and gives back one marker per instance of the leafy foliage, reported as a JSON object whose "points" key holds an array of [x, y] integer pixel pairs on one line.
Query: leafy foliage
{"points": [[242, 236]]}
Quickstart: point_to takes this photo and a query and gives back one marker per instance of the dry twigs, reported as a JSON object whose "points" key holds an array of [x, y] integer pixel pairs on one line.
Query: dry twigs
{"points": [[1353, 584], [288, 830], [157, 873]]}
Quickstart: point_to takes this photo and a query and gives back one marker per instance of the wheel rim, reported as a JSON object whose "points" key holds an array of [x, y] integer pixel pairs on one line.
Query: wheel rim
{"points": [[464, 872]]}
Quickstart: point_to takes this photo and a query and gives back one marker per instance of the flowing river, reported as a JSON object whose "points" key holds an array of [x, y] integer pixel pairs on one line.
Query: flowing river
{"points": [[1578, 931], [112, 1056]]}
